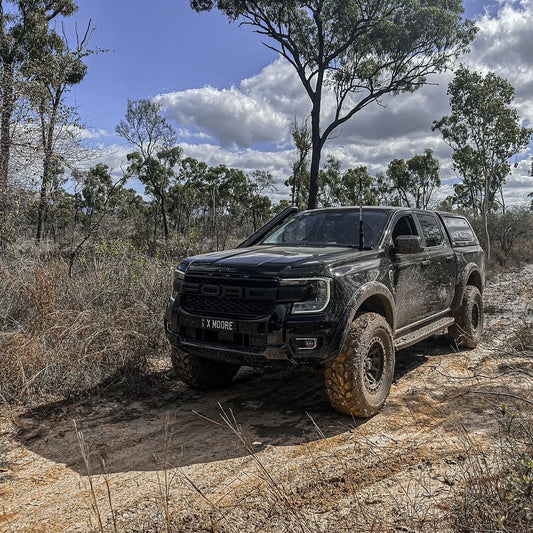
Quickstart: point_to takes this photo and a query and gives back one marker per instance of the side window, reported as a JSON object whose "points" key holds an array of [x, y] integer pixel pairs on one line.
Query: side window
{"points": [[404, 226], [430, 229], [460, 231]]}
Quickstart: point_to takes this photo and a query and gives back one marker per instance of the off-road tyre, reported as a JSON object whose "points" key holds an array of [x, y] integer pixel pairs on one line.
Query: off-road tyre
{"points": [[358, 380], [201, 373], [468, 327]]}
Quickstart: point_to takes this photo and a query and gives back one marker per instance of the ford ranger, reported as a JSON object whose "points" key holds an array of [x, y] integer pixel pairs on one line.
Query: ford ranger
{"points": [[339, 287]]}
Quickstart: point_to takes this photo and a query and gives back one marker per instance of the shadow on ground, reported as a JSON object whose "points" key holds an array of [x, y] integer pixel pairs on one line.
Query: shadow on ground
{"points": [[272, 408]]}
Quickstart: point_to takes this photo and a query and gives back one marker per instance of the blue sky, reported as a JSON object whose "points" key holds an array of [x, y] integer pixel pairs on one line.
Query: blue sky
{"points": [[158, 46], [232, 100]]}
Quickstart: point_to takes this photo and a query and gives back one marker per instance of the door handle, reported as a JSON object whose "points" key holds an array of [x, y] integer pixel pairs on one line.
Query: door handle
{"points": [[425, 262]]}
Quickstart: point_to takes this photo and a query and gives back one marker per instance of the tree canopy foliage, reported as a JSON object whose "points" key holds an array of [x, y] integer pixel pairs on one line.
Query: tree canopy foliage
{"points": [[37, 68], [357, 50], [416, 179]]}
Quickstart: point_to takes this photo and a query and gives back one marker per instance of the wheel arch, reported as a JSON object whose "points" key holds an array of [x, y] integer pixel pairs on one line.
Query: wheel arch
{"points": [[472, 275], [372, 297], [475, 279], [377, 303]]}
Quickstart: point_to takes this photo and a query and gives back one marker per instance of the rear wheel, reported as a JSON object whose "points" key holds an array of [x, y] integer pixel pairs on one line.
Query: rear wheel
{"points": [[358, 380], [200, 373], [468, 327]]}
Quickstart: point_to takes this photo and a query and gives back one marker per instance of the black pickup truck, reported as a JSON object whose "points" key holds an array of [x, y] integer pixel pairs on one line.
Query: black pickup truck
{"points": [[339, 287]]}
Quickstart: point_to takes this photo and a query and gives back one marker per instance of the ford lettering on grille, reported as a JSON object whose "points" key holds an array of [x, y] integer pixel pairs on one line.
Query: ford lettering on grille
{"points": [[230, 291], [219, 324]]}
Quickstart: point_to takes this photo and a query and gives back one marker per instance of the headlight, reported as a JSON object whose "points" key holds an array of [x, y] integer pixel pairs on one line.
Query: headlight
{"points": [[179, 274], [317, 294], [179, 277]]}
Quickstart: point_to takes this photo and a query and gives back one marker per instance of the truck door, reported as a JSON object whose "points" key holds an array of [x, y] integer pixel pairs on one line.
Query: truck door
{"points": [[439, 266], [408, 276]]}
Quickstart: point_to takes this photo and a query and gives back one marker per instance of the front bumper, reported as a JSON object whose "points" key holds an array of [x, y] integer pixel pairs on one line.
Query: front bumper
{"points": [[277, 338]]}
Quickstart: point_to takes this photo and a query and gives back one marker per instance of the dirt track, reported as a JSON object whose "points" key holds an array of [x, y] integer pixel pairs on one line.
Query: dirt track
{"points": [[312, 469]]}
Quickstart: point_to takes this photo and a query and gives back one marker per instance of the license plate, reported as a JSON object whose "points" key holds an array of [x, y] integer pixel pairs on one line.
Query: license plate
{"points": [[219, 324]]}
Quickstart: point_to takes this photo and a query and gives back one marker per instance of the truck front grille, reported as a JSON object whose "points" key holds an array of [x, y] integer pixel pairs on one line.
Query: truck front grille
{"points": [[199, 304], [243, 298]]}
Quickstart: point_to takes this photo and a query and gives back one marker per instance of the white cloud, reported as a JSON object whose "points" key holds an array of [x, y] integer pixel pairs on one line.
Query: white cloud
{"points": [[504, 45], [279, 85], [505, 40], [86, 134], [184, 133], [235, 119]]}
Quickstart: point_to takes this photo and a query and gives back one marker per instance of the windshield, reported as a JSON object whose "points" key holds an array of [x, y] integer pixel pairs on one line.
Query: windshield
{"points": [[330, 228]]}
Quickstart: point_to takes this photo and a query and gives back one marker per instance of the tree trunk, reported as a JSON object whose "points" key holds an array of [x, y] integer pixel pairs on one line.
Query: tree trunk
{"points": [[43, 195], [293, 185], [164, 217], [47, 139], [5, 142], [316, 141], [485, 215], [154, 237], [5, 128], [487, 236]]}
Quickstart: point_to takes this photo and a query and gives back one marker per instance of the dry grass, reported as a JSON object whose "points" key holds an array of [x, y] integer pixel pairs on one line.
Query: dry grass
{"points": [[496, 489], [60, 336]]}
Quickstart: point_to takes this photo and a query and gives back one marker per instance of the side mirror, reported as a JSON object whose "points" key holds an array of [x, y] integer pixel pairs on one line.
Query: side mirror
{"points": [[407, 244]]}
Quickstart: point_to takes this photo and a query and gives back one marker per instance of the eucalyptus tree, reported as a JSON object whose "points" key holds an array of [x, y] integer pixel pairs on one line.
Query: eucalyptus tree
{"points": [[24, 31], [229, 201], [157, 174], [98, 192], [51, 74], [260, 182], [484, 130], [238, 202], [356, 50], [24, 27], [187, 195], [358, 186], [97, 198], [156, 155], [352, 186], [510, 227], [329, 180], [299, 180]]}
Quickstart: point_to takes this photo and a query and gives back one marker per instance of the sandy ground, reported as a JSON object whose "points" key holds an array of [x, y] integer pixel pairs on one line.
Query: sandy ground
{"points": [[268, 453]]}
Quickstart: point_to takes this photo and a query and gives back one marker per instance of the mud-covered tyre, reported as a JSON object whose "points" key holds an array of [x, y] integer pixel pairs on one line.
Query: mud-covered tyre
{"points": [[358, 380], [200, 373], [468, 327]]}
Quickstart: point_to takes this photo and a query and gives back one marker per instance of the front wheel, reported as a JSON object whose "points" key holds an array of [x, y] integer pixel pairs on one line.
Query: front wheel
{"points": [[200, 373], [468, 327], [358, 380]]}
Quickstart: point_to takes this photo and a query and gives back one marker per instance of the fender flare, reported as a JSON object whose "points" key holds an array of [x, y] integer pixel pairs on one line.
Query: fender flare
{"points": [[479, 282], [362, 295]]}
